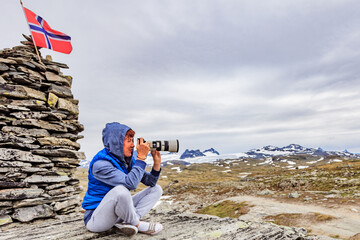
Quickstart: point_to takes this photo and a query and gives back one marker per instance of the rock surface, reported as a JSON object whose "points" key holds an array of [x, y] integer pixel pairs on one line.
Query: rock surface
{"points": [[177, 226]]}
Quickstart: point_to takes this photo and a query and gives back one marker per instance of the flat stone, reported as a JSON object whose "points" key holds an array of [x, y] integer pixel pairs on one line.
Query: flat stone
{"points": [[27, 214], [17, 108], [5, 219], [2, 80], [53, 68], [40, 124], [21, 92], [29, 202], [52, 100], [26, 132], [50, 62], [60, 153], [6, 184], [68, 106], [13, 176], [71, 136], [60, 91], [32, 74], [70, 79], [20, 193], [53, 77], [5, 211], [6, 203], [18, 155], [16, 164], [33, 104], [3, 67], [46, 165], [53, 141], [34, 170], [61, 205], [32, 93], [19, 145], [60, 191], [20, 60], [8, 169], [29, 115], [7, 137], [54, 186], [46, 179], [75, 123], [7, 61], [8, 90], [6, 119], [38, 65], [73, 161]]}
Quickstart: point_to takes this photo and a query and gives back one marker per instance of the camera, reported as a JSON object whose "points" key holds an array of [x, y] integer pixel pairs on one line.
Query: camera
{"points": [[163, 145]]}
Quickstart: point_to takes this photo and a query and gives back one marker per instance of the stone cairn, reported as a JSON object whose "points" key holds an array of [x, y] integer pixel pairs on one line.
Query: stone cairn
{"points": [[39, 129]]}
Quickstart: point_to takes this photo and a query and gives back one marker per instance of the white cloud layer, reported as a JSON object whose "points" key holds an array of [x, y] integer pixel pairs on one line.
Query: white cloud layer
{"points": [[232, 75]]}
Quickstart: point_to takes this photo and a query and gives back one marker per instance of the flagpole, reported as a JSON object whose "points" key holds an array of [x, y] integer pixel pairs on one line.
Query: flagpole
{"points": [[37, 52]]}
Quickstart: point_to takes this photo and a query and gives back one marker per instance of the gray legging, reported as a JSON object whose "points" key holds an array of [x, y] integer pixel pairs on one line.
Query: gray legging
{"points": [[119, 206]]}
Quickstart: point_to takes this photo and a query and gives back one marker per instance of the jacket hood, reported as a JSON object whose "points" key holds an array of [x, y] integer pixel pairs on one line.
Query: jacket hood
{"points": [[113, 139]]}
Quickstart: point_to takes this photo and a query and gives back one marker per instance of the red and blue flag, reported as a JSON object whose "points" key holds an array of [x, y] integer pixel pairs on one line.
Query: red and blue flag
{"points": [[46, 37]]}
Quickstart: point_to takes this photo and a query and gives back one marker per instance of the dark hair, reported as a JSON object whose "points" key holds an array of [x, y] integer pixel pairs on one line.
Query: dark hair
{"points": [[130, 134]]}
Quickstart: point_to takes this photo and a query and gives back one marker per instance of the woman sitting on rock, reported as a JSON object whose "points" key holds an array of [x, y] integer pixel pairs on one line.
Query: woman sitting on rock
{"points": [[113, 172]]}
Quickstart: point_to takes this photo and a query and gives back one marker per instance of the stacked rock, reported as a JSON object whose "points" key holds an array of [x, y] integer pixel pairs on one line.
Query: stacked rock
{"points": [[39, 129]]}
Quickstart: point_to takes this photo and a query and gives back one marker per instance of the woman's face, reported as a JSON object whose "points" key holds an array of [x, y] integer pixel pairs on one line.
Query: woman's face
{"points": [[128, 146]]}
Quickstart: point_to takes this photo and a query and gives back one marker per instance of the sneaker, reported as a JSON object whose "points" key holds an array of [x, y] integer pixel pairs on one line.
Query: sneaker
{"points": [[150, 228], [127, 230]]}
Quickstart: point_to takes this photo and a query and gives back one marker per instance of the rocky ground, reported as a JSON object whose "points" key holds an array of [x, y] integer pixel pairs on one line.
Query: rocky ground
{"points": [[177, 225], [238, 199]]}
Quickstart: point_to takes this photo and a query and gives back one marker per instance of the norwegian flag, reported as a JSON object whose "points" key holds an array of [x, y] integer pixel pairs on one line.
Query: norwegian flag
{"points": [[44, 36]]}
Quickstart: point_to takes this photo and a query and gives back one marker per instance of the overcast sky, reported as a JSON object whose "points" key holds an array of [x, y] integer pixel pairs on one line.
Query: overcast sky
{"points": [[233, 75]]}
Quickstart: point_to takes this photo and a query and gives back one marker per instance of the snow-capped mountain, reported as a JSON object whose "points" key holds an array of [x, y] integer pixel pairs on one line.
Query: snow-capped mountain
{"points": [[294, 149], [211, 155], [197, 153]]}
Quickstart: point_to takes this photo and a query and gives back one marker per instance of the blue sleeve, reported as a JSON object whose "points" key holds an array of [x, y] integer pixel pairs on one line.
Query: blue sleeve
{"points": [[150, 179], [107, 173]]}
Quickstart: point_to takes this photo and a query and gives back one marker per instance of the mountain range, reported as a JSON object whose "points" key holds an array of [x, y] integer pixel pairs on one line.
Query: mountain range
{"points": [[211, 155]]}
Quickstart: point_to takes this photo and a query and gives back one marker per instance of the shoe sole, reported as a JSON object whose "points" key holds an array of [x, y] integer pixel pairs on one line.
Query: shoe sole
{"points": [[127, 230]]}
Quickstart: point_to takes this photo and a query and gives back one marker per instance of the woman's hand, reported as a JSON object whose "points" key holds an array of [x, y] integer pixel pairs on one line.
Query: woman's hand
{"points": [[142, 149], [157, 160]]}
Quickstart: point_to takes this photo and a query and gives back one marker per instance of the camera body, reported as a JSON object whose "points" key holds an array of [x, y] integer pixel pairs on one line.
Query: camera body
{"points": [[163, 145]]}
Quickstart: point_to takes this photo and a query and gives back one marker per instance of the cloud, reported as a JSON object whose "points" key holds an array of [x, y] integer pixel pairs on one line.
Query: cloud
{"points": [[231, 75]]}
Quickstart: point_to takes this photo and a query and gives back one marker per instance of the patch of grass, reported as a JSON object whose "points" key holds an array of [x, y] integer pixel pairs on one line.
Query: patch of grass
{"points": [[226, 209], [296, 219], [319, 217], [285, 219], [82, 175]]}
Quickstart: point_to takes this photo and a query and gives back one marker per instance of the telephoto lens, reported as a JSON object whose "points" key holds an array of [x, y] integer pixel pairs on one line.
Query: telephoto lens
{"points": [[164, 145]]}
